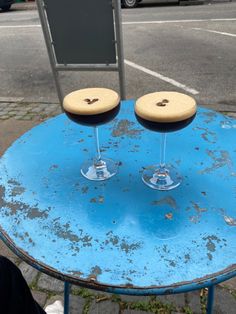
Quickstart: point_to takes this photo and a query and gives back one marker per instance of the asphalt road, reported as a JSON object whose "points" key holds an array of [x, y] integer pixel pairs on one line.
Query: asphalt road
{"points": [[190, 49]]}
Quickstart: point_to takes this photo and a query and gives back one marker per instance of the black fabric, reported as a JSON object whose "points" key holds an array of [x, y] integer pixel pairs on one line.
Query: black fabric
{"points": [[15, 295]]}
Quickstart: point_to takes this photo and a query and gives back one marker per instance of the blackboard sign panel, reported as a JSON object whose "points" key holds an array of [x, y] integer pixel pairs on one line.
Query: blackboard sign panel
{"points": [[82, 31]]}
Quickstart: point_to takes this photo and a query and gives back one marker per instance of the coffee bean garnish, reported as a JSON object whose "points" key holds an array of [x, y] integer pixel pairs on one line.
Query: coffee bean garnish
{"points": [[90, 101], [162, 103]]}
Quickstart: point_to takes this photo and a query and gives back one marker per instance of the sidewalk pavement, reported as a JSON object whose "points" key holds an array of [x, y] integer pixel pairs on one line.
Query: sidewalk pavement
{"points": [[15, 119], [24, 6]]}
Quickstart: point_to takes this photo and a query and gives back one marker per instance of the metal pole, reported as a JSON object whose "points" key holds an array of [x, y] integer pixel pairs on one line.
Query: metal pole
{"points": [[49, 44], [66, 297], [210, 299], [120, 49]]}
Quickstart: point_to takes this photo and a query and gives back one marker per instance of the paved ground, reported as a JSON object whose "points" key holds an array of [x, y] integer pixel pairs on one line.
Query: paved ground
{"points": [[18, 114], [17, 118], [183, 48]]}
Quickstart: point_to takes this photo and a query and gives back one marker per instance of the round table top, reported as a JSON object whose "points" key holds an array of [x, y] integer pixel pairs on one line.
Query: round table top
{"points": [[119, 235]]}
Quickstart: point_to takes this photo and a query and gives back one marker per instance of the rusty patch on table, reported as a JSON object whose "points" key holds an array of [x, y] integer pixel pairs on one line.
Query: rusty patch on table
{"points": [[169, 200], [199, 210], [85, 189], [207, 135], [13, 182], [210, 245], [76, 273], [31, 212], [53, 167], [96, 270], [223, 159], [125, 128], [64, 232], [210, 115], [34, 212], [2, 196], [169, 216], [17, 190], [99, 200], [187, 258], [121, 243]]}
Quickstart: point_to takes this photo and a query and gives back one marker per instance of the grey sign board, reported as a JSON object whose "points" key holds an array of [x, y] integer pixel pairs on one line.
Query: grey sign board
{"points": [[82, 31]]}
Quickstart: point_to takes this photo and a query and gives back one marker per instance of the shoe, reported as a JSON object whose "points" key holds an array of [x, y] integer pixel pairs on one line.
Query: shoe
{"points": [[55, 308]]}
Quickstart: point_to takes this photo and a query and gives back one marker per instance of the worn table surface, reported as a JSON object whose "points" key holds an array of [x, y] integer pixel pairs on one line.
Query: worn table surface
{"points": [[120, 235]]}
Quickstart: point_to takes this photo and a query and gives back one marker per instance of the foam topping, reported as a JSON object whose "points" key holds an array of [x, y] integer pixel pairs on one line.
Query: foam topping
{"points": [[91, 101], [165, 107]]}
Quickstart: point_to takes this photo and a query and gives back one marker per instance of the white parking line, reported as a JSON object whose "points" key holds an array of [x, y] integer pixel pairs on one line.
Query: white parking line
{"points": [[178, 21], [162, 77], [211, 31], [139, 22], [20, 26]]}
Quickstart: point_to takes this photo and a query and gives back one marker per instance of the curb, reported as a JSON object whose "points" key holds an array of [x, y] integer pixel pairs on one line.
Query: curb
{"points": [[24, 6]]}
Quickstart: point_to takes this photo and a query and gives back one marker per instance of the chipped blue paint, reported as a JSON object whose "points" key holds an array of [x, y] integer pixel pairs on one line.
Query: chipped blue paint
{"points": [[119, 235]]}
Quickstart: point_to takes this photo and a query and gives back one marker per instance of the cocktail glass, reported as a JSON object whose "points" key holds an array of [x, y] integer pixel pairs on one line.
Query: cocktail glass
{"points": [[164, 112], [93, 107]]}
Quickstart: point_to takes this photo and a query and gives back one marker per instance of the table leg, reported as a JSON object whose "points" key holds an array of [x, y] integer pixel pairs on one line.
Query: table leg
{"points": [[66, 297], [210, 299]]}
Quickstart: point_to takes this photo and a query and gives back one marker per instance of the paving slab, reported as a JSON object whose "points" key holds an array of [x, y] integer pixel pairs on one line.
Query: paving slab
{"points": [[177, 300], [46, 282], [40, 297], [5, 251], [230, 284], [28, 111], [11, 129], [135, 312], [28, 272], [105, 307], [77, 304], [134, 298], [193, 301], [224, 302]]}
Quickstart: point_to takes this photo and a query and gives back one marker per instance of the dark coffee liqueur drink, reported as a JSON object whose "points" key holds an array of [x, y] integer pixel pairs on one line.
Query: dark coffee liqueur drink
{"points": [[92, 106], [165, 111]]}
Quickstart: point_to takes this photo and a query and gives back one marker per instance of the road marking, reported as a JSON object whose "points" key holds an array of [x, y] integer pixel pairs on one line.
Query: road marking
{"points": [[178, 21], [162, 77], [211, 31], [138, 22], [20, 26]]}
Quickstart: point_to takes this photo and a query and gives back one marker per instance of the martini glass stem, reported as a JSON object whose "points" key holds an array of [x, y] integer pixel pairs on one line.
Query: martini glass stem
{"points": [[162, 151], [98, 152]]}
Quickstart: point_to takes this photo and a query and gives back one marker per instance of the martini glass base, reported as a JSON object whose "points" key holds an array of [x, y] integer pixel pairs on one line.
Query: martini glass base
{"points": [[99, 170], [161, 178]]}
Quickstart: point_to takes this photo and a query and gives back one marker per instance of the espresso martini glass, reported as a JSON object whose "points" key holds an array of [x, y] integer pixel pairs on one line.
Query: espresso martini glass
{"points": [[93, 107], [164, 112]]}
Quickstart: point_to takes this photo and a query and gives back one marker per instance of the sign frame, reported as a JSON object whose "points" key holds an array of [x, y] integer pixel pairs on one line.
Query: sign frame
{"points": [[56, 67]]}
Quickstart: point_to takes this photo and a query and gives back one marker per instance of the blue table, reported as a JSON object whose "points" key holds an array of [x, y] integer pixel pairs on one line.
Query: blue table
{"points": [[119, 235]]}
